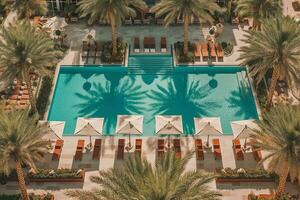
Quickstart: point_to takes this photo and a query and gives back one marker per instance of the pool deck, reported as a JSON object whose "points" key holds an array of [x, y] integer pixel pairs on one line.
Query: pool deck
{"points": [[107, 160]]}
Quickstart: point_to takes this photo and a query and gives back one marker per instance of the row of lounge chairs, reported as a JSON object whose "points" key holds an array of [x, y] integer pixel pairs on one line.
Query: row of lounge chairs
{"points": [[91, 50], [208, 51], [79, 150], [161, 148], [149, 45]]}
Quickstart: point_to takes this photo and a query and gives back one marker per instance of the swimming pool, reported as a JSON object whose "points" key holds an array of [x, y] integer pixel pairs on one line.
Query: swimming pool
{"points": [[150, 86]]}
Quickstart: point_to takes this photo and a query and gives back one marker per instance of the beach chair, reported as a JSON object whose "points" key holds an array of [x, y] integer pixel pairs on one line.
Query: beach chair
{"points": [[57, 149], [79, 150], [212, 52], [120, 150], [146, 21], [24, 97], [98, 49], [255, 150], [217, 149], [220, 53], [152, 44], [85, 50], [238, 149], [199, 149], [128, 21], [137, 21], [177, 148], [160, 147], [197, 51], [136, 45], [138, 147], [146, 45], [163, 44], [97, 149], [204, 51]]}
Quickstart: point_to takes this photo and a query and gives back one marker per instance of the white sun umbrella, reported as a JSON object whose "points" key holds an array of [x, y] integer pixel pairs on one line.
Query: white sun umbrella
{"points": [[55, 23], [243, 129], [130, 125], [168, 125], [208, 126], [89, 127], [54, 129]]}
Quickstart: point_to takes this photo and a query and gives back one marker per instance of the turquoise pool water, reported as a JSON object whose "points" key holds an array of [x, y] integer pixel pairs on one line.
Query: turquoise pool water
{"points": [[151, 86]]}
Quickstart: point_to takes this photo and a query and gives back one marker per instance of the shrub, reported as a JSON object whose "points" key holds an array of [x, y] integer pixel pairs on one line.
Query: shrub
{"points": [[244, 173], [43, 98], [106, 55], [57, 173], [32, 196], [190, 57]]}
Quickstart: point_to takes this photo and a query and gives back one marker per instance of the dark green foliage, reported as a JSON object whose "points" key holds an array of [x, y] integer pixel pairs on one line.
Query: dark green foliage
{"points": [[247, 173], [43, 98], [32, 196], [106, 56], [58, 174], [180, 55]]}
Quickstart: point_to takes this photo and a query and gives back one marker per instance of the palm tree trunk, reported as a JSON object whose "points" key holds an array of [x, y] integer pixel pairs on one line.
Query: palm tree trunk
{"points": [[282, 180], [113, 33], [275, 77], [185, 35], [30, 93], [21, 181]]}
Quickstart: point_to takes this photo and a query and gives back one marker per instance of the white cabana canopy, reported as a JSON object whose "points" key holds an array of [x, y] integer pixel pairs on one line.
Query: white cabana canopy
{"points": [[243, 129], [54, 130], [55, 23], [208, 126], [89, 126], [130, 124], [168, 124]]}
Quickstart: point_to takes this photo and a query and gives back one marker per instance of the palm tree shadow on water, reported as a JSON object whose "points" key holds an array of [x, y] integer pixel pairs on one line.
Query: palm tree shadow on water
{"points": [[242, 101], [110, 99], [184, 97]]}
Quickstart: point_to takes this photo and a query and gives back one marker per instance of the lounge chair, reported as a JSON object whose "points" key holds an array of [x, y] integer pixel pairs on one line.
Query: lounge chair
{"points": [[197, 52], [136, 45], [238, 149], [160, 147], [179, 21], [120, 150], [97, 149], [256, 150], [217, 149], [152, 44], [57, 149], [137, 21], [146, 44], [24, 97], [85, 49], [138, 147], [128, 21], [177, 148], [79, 150], [98, 49], [163, 44], [212, 52], [204, 52], [146, 21], [199, 149], [159, 21], [220, 53]]}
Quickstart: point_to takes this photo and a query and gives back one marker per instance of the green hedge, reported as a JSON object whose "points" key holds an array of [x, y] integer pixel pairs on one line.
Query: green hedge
{"points": [[190, 58], [32, 196], [229, 173], [106, 55], [43, 98], [57, 173]]}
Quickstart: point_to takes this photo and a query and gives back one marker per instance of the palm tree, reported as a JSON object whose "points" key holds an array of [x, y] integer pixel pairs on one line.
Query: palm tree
{"points": [[113, 11], [187, 10], [279, 135], [274, 48], [22, 51], [258, 10], [20, 144], [138, 180], [28, 8]]}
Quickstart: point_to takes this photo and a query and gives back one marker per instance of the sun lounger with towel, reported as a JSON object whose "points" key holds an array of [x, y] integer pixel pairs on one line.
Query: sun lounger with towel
{"points": [[177, 148], [152, 44], [217, 149], [138, 147], [57, 149], [160, 147], [197, 51], [136, 45], [220, 54], [238, 149], [79, 150], [199, 149], [212, 51], [146, 44], [97, 149], [204, 51], [163, 44], [120, 150]]}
